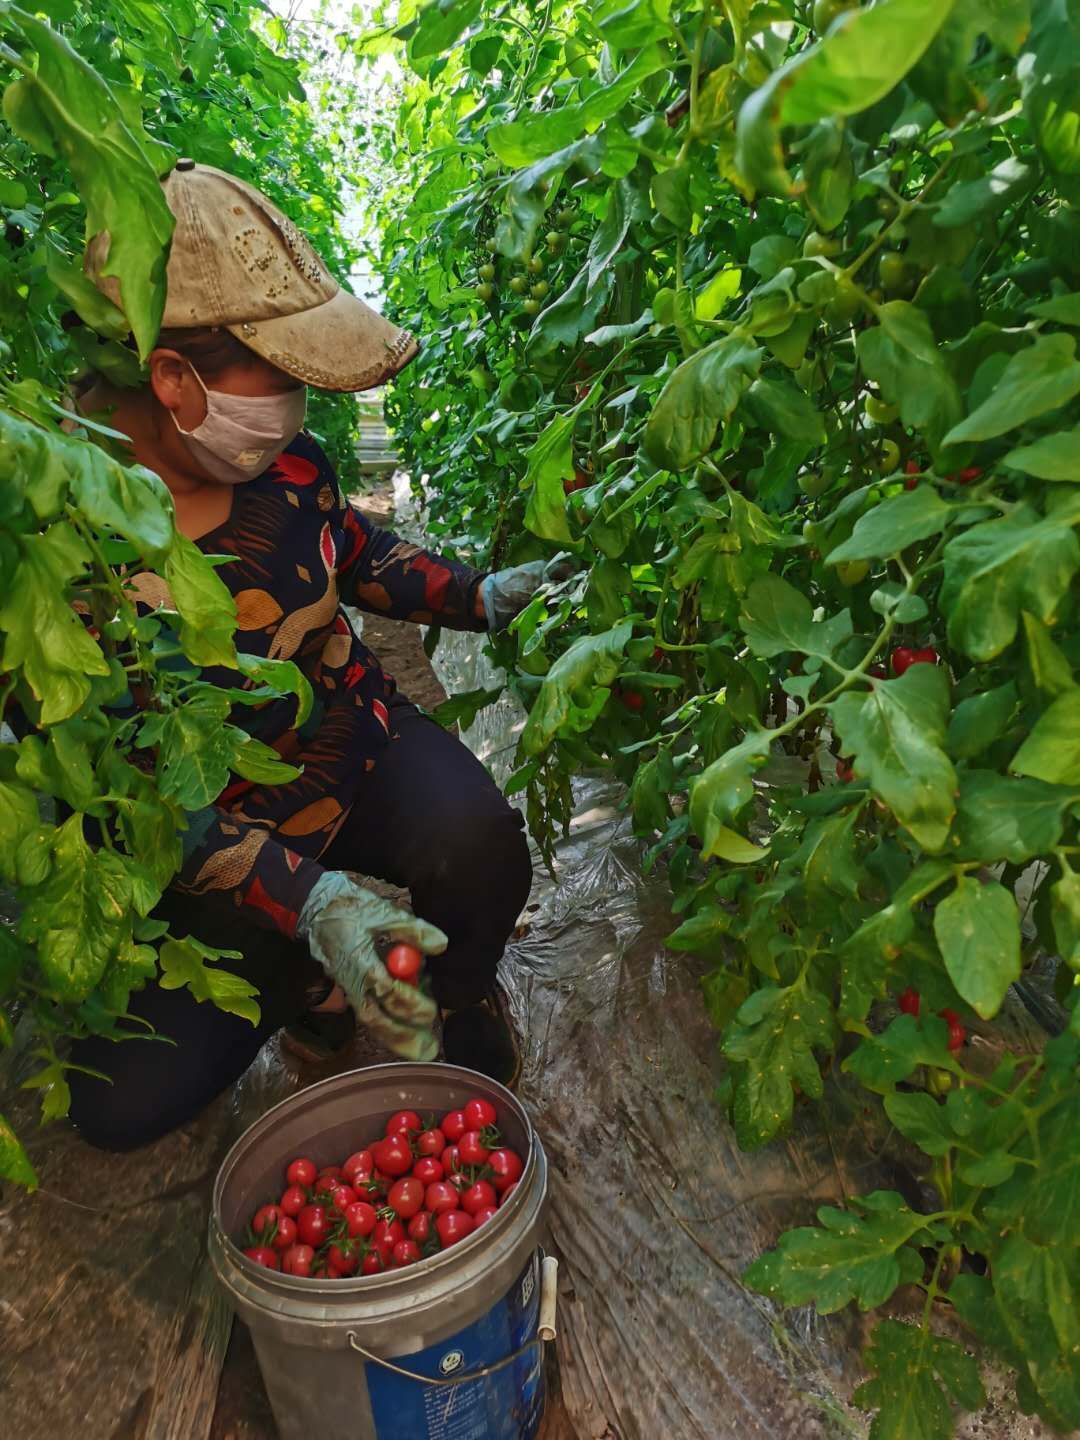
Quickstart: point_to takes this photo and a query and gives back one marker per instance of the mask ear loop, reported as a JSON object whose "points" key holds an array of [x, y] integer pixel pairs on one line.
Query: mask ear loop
{"points": [[205, 391]]}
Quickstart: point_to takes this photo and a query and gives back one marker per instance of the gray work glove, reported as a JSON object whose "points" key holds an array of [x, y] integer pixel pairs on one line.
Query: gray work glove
{"points": [[506, 592], [340, 921]]}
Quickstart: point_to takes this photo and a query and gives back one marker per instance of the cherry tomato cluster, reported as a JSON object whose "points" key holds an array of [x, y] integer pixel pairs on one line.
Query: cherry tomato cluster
{"points": [[910, 1003], [417, 1190]]}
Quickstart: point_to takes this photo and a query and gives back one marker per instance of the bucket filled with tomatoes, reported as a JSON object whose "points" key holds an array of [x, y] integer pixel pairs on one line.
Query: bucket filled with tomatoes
{"points": [[379, 1235]]}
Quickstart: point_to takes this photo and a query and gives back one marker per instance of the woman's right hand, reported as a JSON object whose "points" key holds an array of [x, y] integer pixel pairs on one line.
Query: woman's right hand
{"points": [[341, 922]]}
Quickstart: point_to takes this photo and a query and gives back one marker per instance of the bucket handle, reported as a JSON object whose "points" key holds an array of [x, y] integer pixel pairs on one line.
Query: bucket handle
{"points": [[546, 1331]]}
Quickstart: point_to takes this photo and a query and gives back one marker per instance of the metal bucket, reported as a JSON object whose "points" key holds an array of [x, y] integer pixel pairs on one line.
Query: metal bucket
{"points": [[447, 1349]]}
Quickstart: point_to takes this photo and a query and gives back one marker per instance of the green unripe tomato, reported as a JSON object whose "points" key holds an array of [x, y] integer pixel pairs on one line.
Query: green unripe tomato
{"points": [[564, 218], [890, 456], [894, 273], [554, 239], [825, 12], [850, 572], [535, 265], [878, 413], [518, 284], [487, 271], [844, 306], [938, 1082], [490, 245], [818, 244], [531, 307], [813, 483], [539, 290], [484, 292]]}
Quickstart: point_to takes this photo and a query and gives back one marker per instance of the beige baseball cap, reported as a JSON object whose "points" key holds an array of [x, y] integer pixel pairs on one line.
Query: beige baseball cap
{"points": [[238, 262]]}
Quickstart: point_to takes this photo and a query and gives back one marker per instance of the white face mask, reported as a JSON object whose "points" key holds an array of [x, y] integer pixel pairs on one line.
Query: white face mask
{"points": [[243, 434]]}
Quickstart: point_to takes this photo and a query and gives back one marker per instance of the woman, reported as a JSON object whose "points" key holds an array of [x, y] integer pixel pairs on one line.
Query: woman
{"points": [[251, 317]]}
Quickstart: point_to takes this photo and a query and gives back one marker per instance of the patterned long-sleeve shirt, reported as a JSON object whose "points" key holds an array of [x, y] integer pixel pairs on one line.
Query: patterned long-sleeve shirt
{"points": [[302, 552]]}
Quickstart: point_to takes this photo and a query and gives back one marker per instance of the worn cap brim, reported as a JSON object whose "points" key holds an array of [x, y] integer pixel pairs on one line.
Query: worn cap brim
{"points": [[342, 344]]}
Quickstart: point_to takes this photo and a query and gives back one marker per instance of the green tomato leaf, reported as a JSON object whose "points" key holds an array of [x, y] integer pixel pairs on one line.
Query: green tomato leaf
{"points": [[588, 665], [704, 930], [901, 355], [1065, 916], [462, 709], [1052, 749], [912, 1370], [777, 618], [893, 525], [922, 1120], [725, 787], [998, 568], [782, 409], [186, 963], [207, 609], [1043, 377], [703, 391], [978, 930], [18, 819], [980, 720], [999, 818], [851, 1257], [62, 107], [883, 1061], [550, 462], [1054, 457], [896, 732], [14, 1161], [858, 62], [771, 1044]]}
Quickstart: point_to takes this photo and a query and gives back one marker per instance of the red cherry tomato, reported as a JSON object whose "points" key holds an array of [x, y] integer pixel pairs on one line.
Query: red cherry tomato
{"points": [[404, 1120], [957, 1033], [480, 1196], [298, 1260], [631, 699], [360, 1219], [453, 1126], [909, 1001], [483, 1216], [265, 1219], [313, 1225], [263, 1255], [420, 1227], [968, 474], [454, 1225], [341, 1197], [507, 1168], [405, 963], [405, 1252], [293, 1201], [431, 1142], [451, 1160], [328, 1173], [406, 1196], [301, 1172], [473, 1150], [903, 657], [387, 1233], [844, 772], [393, 1155], [440, 1198], [479, 1114], [427, 1170], [505, 1196], [912, 467], [345, 1261], [359, 1166], [286, 1234], [878, 672], [372, 1263]]}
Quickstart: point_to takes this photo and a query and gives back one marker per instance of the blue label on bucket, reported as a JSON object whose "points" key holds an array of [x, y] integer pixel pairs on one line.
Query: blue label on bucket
{"points": [[503, 1406]]}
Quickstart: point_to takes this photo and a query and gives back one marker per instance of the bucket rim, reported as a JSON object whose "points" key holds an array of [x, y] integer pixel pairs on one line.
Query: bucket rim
{"points": [[385, 1281]]}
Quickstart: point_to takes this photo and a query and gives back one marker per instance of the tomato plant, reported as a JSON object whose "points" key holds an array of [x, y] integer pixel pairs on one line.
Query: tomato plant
{"points": [[809, 333]]}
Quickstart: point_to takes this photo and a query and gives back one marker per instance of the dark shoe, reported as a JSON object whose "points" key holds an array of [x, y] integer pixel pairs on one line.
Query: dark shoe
{"points": [[481, 1037], [320, 1035]]}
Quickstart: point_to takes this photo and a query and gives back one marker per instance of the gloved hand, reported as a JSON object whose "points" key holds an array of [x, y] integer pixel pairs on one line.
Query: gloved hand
{"points": [[340, 921], [506, 592]]}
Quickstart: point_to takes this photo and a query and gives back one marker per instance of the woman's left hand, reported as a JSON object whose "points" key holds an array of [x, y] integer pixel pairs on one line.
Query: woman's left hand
{"points": [[505, 593]]}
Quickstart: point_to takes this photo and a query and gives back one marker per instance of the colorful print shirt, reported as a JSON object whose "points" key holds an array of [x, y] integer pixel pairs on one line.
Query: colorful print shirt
{"points": [[302, 552]]}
